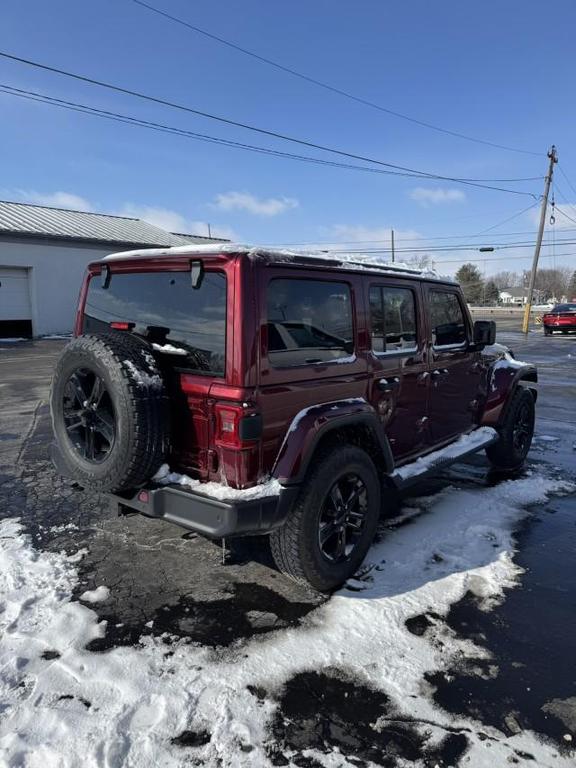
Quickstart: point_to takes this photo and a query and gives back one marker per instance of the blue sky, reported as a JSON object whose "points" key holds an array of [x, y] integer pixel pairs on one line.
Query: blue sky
{"points": [[500, 71]]}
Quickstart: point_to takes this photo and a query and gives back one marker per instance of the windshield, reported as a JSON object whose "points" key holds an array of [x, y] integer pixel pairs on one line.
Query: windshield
{"points": [[564, 308], [188, 323]]}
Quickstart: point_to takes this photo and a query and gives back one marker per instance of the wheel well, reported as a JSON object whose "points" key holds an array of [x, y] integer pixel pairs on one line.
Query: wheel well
{"points": [[530, 376], [360, 435]]}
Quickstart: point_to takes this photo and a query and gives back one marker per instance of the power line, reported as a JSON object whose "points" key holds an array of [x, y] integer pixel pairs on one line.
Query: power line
{"points": [[563, 213], [273, 134], [510, 218], [163, 128], [495, 258], [326, 86], [450, 248], [567, 179]]}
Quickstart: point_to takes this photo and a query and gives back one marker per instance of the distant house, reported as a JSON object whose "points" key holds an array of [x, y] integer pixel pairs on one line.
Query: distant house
{"points": [[517, 297], [44, 253]]}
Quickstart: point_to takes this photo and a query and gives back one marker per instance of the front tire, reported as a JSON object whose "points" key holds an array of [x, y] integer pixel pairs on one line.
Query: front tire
{"points": [[333, 522], [516, 432], [547, 331]]}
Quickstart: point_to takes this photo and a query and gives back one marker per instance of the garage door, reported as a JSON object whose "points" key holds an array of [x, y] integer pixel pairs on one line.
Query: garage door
{"points": [[15, 309]]}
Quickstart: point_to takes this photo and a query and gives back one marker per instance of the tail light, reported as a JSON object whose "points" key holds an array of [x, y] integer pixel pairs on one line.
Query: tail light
{"points": [[236, 427], [121, 326]]}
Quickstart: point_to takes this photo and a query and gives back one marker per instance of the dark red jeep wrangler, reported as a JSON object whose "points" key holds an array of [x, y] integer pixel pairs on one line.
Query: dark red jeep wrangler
{"points": [[236, 391]]}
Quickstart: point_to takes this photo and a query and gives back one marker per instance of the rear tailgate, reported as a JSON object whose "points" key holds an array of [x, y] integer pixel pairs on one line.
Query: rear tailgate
{"points": [[187, 327]]}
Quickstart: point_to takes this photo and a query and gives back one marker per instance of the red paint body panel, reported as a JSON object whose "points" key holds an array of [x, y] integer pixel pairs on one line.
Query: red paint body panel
{"points": [[562, 321], [296, 404]]}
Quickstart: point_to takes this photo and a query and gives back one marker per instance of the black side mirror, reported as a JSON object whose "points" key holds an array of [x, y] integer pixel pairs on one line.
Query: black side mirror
{"points": [[484, 332]]}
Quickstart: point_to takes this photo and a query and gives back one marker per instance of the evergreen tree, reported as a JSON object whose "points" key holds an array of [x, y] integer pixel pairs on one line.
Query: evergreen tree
{"points": [[470, 278], [491, 293]]}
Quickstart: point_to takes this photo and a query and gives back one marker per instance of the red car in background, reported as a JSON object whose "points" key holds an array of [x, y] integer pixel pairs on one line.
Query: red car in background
{"points": [[561, 318]]}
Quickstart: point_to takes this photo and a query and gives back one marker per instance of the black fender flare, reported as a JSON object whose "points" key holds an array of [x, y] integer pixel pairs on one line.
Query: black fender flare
{"points": [[312, 425]]}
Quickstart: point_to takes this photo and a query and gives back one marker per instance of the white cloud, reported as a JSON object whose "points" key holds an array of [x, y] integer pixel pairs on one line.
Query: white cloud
{"points": [[436, 196], [54, 199], [172, 221], [244, 201], [164, 218]]}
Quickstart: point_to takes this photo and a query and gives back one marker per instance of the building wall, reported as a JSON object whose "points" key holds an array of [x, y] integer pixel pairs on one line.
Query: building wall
{"points": [[56, 271]]}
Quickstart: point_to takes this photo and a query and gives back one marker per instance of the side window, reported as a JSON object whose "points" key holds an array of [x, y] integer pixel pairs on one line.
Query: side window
{"points": [[392, 319], [309, 321], [447, 319]]}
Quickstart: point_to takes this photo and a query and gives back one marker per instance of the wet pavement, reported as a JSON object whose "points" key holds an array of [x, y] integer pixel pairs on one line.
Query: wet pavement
{"points": [[167, 582]]}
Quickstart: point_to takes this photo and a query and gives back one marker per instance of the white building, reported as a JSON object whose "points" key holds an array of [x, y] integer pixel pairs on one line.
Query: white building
{"points": [[43, 256]]}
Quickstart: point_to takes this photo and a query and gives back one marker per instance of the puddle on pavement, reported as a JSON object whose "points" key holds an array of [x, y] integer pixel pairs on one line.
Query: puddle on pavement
{"points": [[530, 638], [246, 611], [336, 716]]}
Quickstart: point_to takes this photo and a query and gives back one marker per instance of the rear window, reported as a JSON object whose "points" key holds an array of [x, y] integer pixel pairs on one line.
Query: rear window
{"points": [[166, 310], [564, 308], [309, 321]]}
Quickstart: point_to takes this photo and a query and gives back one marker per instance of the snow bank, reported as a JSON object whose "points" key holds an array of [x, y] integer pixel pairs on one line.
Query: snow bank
{"points": [[123, 707]]}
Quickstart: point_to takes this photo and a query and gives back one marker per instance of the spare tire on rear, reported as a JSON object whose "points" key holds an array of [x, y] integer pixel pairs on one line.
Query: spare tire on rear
{"points": [[109, 411]]}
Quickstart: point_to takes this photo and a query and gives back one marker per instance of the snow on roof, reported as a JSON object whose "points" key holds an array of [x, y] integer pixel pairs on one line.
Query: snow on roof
{"points": [[354, 261]]}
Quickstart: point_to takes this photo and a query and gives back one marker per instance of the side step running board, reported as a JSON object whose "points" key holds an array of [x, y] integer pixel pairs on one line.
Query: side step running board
{"points": [[471, 443]]}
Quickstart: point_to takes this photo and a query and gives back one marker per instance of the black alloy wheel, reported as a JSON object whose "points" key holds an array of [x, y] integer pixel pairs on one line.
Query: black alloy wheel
{"points": [[523, 428], [89, 416], [342, 518], [332, 523]]}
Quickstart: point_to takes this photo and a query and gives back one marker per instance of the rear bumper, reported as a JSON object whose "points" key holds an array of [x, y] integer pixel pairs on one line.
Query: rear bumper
{"points": [[214, 518], [559, 326]]}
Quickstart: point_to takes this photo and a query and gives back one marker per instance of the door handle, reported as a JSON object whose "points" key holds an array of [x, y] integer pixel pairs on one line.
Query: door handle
{"points": [[388, 385]]}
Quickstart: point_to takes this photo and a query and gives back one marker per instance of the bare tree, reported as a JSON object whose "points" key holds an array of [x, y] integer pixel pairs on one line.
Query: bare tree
{"points": [[553, 283], [505, 279]]}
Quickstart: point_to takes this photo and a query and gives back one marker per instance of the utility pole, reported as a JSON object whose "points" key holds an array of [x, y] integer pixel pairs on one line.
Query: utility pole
{"points": [[209, 231], [553, 159], [392, 239]]}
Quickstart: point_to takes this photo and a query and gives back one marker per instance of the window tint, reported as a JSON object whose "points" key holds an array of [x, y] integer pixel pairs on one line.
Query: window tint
{"points": [[309, 321], [448, 325], [392, 318], [166, 309]]}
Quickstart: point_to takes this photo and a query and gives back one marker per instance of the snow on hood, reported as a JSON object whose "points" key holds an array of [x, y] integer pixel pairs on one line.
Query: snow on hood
{"points": [[140, 697]]}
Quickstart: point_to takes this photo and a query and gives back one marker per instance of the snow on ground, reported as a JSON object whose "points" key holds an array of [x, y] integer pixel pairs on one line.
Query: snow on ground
{"points": [[97, 595], [64, 707]]}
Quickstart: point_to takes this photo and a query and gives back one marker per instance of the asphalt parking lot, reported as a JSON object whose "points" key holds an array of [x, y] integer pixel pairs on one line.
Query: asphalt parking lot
{"points": [[164, 582]]}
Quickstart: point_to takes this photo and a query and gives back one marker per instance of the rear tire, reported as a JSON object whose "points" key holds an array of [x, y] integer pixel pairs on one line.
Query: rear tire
{"points": [[547, 331], [109, 411], [516, 432], [310, 548]]}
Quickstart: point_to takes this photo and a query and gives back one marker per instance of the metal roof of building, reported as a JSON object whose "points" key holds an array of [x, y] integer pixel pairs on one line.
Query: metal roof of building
{"points": [[24, 220]]}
